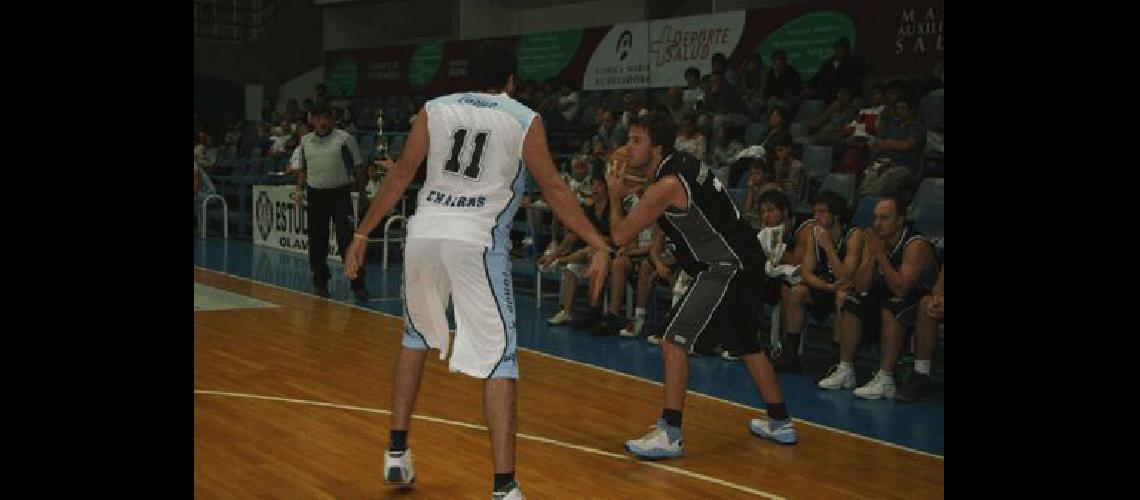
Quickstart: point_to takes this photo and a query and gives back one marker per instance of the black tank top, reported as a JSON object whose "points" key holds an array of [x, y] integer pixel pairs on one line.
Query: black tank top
{"points": [[712, 230], [822, 266], [895, 255]]}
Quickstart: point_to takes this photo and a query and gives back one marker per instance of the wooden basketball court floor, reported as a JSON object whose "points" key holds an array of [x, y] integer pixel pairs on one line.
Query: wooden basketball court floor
{"points": [[292, 394]]}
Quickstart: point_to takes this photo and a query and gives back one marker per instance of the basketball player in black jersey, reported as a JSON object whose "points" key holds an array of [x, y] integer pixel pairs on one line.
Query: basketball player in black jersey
{"points": [[831, 253], [899, 264], [716, 246]]}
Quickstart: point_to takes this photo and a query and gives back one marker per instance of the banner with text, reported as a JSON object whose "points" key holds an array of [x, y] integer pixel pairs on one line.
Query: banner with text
{"points": [[888, 37], [280, 222], [680, 43]]}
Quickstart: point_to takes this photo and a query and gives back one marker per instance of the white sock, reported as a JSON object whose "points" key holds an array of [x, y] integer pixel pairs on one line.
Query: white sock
{"points": [[922, 366], [887, 374], [639, 312], [845, 365]]}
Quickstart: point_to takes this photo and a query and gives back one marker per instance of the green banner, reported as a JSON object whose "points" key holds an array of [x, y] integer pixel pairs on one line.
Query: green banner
{"points": [[808, 40], [545, 55], [342, 76], [425, 64]]}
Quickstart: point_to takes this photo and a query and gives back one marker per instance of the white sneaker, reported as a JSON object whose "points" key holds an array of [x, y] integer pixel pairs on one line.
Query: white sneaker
{"points": [[839, 377], [780, 431], [514, 494], [632, 330], [654, 339], [398, 470], [561, 318], [882, 386], [656, 444]]}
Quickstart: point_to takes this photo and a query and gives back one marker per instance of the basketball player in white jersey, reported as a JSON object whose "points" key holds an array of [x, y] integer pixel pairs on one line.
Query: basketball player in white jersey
{"points": [[476, 144]]}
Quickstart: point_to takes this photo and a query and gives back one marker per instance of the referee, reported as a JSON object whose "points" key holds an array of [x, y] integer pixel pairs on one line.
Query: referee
{"points": [[325, 158]]}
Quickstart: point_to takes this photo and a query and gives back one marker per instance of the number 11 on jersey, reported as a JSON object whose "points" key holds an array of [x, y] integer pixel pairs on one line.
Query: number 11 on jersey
{"points": [[472, 170]]}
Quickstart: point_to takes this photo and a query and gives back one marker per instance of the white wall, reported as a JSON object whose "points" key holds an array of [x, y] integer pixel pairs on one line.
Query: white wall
{"points": [[301, 87]]}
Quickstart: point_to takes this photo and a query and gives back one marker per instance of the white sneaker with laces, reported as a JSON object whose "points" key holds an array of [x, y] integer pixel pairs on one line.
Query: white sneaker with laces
{"points": [[398, 470], [839, 377], [656, 443], [882, 386], [561, 318]]}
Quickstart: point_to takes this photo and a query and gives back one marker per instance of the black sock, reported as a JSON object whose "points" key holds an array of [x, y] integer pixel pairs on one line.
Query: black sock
{"points": [[777, 411], [791, 346], [672, 417], [399, 440], [503, 480]]}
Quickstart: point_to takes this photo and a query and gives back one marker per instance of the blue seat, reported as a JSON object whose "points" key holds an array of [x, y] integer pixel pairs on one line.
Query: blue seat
{"points": [[865, 212], [931, 189], [840, 183], [932, 221]]}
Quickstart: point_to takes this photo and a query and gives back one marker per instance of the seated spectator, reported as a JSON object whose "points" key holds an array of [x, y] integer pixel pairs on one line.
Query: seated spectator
{"points": [[778, 120], [628, 258], [301, 129], [694, 93], [760, 181], [903, 141], [657, 269], [896, 271], [577, 179], [233, 134], [631, 108], [751, 87], [729, 144], [784, 83], [548, 106], [827, 270], [573, 254], [674, 105], [610, 130], [930, 314], [568, 102], [293, 112], [839, 70], [528, 95], [720, 67], [690, 139], [860, 130], [723, 104], [789, 170], [280, 142], [893, 93], [827, 128]]}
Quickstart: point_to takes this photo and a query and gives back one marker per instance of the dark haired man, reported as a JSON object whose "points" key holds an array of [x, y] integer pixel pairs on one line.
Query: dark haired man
{"points": [[717, 247], [475, 144]]}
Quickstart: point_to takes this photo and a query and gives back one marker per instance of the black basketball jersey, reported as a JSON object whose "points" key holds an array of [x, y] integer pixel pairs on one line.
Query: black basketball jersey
{"points": [[711, 230], [799, 222], [822, 266], [895, 256]]}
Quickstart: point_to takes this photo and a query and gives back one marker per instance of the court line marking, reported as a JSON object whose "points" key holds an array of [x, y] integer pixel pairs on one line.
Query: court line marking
{"points": [[609, 370], [456, 423]]}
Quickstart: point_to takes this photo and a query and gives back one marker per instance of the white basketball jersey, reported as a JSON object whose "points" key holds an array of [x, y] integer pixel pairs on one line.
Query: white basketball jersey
{"points": [[474, 169]]}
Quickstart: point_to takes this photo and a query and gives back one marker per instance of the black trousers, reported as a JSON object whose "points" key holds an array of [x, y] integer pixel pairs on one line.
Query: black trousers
{"points": [[335, 203]]}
